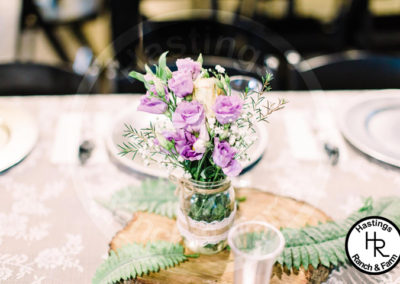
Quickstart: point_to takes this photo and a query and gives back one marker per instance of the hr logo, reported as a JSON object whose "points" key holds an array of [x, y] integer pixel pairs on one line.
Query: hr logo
{"points": [[373, 245], [375, 241]]}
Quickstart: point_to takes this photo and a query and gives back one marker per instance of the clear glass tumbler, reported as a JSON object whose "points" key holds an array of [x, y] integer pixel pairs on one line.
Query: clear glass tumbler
{"points": [[255, 245]]}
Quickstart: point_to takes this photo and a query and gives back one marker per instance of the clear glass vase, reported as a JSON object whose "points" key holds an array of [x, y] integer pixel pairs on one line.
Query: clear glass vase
{"points": [[205, 214]]}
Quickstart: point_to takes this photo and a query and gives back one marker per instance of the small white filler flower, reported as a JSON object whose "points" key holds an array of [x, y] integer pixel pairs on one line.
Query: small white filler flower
{"points": [[220, 69]]}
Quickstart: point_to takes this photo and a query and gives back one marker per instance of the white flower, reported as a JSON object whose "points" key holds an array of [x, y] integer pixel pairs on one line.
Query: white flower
{"points": [[179, 172], [211, 121], [205, 92], [232, 140], [248, 139], [164, 125], [234, 128], [220, 69], [200, 146], [180, 159], [186, 175]]}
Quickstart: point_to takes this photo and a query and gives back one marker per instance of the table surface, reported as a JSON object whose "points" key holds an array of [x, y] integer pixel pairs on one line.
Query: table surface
{"points": [[52, 229]]}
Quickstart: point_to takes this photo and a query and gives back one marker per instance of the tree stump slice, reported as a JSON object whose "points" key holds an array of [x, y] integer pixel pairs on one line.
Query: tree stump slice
{"points": [[277, 210]]}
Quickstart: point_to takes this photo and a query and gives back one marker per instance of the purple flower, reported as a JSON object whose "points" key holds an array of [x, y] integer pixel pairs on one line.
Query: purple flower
{"points": [[189, 116], [181, 83], [152, 102], [224, 157], [184, 142], [223, 153], [227, 108], [187, 65], [233, 169], [152, 105]]}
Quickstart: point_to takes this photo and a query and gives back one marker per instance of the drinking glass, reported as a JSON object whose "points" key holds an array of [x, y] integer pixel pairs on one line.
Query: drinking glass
{"points": [[240, 83], [255, 245]]}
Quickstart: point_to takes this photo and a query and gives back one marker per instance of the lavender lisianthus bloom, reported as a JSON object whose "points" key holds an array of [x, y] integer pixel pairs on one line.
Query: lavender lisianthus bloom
{"points": [[184, 142], [181, 83], [152, 105], [224, 157], [189, 116], [187, 65], [233, 169], [152, 102], [223, 153], [227, 108]]}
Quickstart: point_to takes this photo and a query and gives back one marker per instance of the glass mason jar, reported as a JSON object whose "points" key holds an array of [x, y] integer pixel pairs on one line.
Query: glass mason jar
{"points": [[205, 214]]}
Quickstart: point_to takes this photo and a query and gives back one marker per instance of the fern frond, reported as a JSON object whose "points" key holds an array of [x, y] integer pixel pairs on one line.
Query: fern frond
{"points": [[134, 260], [153, 195], [325, 243]]}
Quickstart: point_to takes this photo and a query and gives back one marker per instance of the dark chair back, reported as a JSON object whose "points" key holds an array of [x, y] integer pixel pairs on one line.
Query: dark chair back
{"points": [[347, 71], [37, 79]]}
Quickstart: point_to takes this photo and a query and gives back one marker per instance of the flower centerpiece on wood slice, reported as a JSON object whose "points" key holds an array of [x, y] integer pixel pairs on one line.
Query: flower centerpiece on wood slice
{"points": [[202, 138]]}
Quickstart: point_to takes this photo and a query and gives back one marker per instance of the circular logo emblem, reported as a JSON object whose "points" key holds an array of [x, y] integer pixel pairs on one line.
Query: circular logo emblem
{"points": [[373, 245]]}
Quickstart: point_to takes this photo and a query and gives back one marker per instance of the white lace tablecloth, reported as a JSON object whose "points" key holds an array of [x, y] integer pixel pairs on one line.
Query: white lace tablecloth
{"points": [[52, 230]]}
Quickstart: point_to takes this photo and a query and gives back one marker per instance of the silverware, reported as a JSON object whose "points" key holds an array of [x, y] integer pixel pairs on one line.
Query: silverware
{"points": [[85, 151], [332, 152]]}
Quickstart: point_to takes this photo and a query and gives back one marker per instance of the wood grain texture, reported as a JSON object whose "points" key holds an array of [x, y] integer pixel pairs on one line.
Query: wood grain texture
{"points": [[276, 210]]}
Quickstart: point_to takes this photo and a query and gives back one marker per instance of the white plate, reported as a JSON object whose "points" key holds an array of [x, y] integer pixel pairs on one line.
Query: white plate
{"points": [[141, 120], [18, 135], [372, 125]]}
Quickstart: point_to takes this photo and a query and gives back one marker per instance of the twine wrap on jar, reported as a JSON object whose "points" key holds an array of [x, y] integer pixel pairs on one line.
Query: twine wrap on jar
{"points": [[201, 231]]}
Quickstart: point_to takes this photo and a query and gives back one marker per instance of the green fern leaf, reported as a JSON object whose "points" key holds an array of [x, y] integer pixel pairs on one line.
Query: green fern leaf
{"points": [[324, 243], [153, 195], [287, 257], [134, 260], [296, 256], [313, 255], [305, 259]]}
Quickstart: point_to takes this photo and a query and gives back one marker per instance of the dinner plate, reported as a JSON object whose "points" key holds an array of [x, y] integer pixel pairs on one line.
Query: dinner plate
{"points": [[141, 120], [372, 125], [18, 136]]}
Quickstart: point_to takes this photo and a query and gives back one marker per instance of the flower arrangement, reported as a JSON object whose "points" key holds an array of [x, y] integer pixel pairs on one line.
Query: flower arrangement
{"points": [[204, 131], [207, 129]]}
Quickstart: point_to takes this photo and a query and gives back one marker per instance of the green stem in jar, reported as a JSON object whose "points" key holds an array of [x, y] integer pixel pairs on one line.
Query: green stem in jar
{"points": [[200, 165], [216, 173]]}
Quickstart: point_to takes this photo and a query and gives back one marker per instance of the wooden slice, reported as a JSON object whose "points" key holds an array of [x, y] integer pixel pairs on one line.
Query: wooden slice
{"points": [[276, 210]]}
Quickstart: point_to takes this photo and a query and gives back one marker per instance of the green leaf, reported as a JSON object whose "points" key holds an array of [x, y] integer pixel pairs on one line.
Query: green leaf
{"points": [[313, 255], [287, 257], [137, 76], [305, 259], [135, 259], [200, 59], [296, 257], [162, 61], [163, 71], [324, 243], [153, 195]]}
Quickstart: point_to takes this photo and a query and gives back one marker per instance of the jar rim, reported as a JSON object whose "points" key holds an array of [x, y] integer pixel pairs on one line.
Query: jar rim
{"points": [[209, 184]]}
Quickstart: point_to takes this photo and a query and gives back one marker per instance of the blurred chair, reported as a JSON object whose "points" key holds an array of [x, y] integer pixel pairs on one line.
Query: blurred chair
{"points": [[373, 32], [37, 79], [346, 71], [50, 14], [238, 45], [308, 34]]}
